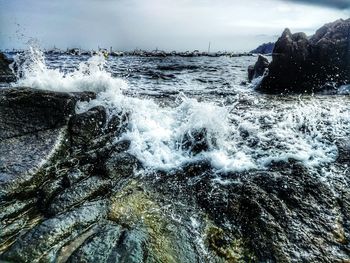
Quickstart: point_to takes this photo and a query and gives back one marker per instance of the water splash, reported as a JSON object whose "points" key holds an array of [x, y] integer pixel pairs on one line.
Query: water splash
{"points": [[251, 137]]}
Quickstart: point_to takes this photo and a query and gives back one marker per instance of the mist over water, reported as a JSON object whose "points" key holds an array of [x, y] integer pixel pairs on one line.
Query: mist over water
{"points": [[171, 98]]}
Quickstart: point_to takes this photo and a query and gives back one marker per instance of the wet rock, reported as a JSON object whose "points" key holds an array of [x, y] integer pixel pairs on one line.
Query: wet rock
{"points": [[6, 74], [15, 207], [132, 249], [101, 246], [121, 165], [118, 123], [285, 214], [76, 194], [32, 130], [54, 233], [302, 64], [161, 235], [21, 157], [77, 174], [197, 141], [25, 110], [86, 126], [258, 69], [343, 151]]}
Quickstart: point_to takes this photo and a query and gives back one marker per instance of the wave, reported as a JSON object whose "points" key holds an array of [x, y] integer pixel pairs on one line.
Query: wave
{"points": [[237, 138]]}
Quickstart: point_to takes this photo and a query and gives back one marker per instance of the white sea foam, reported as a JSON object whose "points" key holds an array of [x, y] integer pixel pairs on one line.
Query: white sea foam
{"points": [[249, 138]]}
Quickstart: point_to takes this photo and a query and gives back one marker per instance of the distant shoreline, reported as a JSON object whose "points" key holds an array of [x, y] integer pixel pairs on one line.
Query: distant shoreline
{"points": [[140, 53]]}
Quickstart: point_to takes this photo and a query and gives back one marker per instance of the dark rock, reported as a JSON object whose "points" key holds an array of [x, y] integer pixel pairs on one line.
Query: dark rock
{"points": [[302, 64], [197, 141], [285, 214], [15, 208], [25, 110], [121, 165], [14, 217], [264, 49], [86, 126], [32, 129], [54, 233], [6, 74], [77, 174], [258, 69], [100, 247], [343, 151], [132, 248], [118, 124], [86, 190]]}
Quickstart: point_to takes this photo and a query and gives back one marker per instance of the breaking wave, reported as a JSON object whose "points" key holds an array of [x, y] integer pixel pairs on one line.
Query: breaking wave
{"points": [[248, 133]]}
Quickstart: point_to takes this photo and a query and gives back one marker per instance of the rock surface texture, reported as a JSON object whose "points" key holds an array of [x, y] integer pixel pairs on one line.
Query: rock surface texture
{"points": [[6, 74], [259, 68], [303, 64], [71, 192]]}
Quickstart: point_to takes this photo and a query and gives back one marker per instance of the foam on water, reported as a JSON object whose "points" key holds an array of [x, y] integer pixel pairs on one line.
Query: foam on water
{"points": [[249, 138]]}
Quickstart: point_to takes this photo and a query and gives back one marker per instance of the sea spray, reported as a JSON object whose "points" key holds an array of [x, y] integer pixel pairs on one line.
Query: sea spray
{"points": [[245, 138]]}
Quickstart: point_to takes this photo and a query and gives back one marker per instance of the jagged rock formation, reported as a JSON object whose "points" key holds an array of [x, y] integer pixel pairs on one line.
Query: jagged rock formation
{"points": [[264, 49], [6, 75], [70, 192], [302, 64], [259, 69]]}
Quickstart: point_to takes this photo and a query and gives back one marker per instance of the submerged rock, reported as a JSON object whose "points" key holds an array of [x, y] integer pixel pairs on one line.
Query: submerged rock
{"points": [[302, 64]]}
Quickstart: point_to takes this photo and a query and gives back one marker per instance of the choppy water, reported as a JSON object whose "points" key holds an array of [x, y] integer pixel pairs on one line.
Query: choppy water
{"points": [[174, 96]]}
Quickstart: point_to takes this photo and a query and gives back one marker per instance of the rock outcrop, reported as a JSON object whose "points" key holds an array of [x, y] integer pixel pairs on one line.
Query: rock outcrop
{"points": [[303, 64], [71, 192], [6, 74], [258, 69]]}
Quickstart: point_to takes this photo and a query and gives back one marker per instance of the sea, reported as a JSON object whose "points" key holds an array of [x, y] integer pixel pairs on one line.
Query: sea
{"points": [[172, 98]]}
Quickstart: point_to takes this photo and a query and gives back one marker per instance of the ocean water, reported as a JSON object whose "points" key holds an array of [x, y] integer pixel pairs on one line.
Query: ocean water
{"points": [[171, 98]]}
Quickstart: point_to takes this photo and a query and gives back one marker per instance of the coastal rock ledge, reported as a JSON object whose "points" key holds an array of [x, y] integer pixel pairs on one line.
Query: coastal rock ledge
{"points": [[71, 192], [310, 64]]}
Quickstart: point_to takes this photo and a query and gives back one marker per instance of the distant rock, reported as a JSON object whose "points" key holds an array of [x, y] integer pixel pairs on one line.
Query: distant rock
{"points": [[302, 64], [265, 48], [6, 74], [258, 70]]}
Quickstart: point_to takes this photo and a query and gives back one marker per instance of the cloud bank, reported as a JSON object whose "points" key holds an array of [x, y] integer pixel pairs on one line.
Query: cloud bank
{"points": [[230, 25], [338, 4]]}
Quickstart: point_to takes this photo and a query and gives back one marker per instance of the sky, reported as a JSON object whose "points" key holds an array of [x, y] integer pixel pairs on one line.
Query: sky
{"points": [[231, 25]]}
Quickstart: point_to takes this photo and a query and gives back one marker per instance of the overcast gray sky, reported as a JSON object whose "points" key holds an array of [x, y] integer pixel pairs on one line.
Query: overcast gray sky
{"points": [[234, 25]]}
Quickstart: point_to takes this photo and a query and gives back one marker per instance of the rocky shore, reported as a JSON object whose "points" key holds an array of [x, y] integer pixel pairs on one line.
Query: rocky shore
{"points": [[70, 192], [309, 64]]}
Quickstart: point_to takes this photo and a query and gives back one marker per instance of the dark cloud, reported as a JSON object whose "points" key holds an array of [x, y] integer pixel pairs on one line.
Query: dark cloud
{"points": [[338, 4]]}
